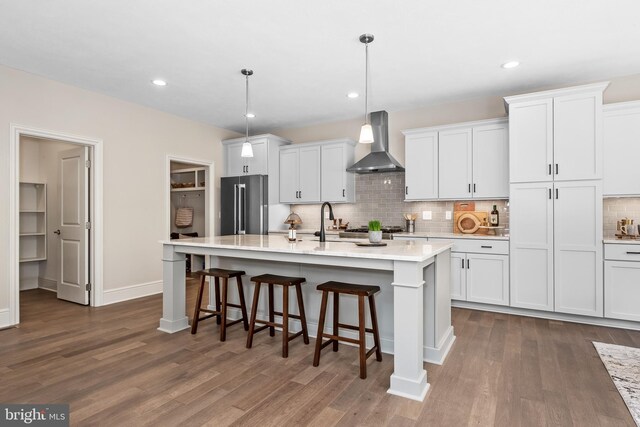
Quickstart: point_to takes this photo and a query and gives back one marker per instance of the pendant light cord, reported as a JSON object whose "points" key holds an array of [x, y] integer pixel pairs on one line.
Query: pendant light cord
{"points": [[366, 81], [246, 109]]}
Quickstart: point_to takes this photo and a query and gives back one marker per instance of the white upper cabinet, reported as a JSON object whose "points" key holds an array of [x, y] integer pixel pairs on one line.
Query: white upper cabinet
{"points": [[337, 185], [491, 161], [621, 142], [556, 135], [455, 155], [421, 165], [531, 141], [455, 162], [289, 161], [577, 133], [265, 155], [309, 174], [300, 174], [316, 172]]}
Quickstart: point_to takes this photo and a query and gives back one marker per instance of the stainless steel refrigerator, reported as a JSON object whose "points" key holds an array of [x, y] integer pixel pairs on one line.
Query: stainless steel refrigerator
{"points": [[244, 205]]}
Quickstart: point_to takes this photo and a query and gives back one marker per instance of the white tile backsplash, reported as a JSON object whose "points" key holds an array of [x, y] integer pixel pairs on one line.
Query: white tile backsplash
{"points": [[381, 196], [616, 208]]}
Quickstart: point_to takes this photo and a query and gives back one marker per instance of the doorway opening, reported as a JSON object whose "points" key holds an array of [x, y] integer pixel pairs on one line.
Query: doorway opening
{"points": [[55, 203], [190, 203]]}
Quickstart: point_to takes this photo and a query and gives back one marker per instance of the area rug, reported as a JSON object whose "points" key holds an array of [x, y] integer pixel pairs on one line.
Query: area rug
{"points": [[623, 365]]}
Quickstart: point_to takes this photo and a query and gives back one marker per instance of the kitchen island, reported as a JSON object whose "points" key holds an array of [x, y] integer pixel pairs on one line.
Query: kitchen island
{"points": [[414, 306]]}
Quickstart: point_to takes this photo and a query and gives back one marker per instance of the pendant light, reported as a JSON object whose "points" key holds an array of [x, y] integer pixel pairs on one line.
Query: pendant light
{"points": [[366, 133], [247, 149]]}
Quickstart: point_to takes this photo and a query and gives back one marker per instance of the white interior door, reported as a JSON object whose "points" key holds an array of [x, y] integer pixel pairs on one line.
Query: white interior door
{"points": [[73, 194]]}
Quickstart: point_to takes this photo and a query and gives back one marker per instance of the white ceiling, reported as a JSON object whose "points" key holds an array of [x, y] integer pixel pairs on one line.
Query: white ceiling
{"points": [[306, 55]]}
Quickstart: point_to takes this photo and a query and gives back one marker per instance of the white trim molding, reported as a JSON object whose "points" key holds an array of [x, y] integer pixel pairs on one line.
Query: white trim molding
{"points": [[125, 293], [97, 238]]}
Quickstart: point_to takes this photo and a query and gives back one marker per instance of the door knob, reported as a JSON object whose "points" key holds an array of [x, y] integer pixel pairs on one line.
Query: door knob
{"points": [[57, 232]]}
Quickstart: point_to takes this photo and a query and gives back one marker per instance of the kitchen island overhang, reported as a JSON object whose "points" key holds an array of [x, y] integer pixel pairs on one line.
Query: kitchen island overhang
{"points": [[415, 309]]}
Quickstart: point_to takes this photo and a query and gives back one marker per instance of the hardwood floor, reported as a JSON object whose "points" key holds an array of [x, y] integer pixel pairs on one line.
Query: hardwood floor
{"points": [[113, 368]]}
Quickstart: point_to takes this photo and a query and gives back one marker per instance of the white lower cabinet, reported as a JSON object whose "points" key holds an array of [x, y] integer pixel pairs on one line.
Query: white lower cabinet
{"points": [[479, 276], [622, 282], [488, 279], [458, 276]]}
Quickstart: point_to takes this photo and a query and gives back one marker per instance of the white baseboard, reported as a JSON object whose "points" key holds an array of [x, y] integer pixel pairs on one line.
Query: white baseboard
{"points": [[48, 284], [598, 321], [5, 318], [125, 293]]}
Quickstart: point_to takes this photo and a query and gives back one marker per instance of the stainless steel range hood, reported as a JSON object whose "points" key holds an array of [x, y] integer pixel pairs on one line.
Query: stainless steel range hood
{"points": [[379, 160]]}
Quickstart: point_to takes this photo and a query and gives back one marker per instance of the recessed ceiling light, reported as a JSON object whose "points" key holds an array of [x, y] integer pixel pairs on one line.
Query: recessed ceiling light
{"points": [[250, 115], [159, 82], [510, 64], [352, 95]]}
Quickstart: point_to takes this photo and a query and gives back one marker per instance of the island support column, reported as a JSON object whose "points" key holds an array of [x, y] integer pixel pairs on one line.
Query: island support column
{"points": [[174, 318], [409, 378]]}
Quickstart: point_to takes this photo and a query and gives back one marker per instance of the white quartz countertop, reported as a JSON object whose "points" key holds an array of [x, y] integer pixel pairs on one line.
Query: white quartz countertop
{"points": [[398, 250], [617, 241]]}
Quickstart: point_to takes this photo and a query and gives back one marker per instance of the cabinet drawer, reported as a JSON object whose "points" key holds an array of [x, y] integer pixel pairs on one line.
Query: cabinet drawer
{"points": [[479, 246], [622, 252]]}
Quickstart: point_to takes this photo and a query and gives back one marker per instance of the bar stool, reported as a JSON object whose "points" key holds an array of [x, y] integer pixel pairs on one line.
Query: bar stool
{"points": [[221, 300], [361, 291], [285, 282]]}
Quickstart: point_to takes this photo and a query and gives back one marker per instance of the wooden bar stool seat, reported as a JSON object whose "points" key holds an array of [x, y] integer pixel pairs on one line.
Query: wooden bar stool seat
{"points": [[221, 300], [362, 292], [285, 282]]}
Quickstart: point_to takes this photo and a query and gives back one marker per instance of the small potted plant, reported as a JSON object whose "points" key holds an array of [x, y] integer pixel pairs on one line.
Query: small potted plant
{"points": [[375, 234]]}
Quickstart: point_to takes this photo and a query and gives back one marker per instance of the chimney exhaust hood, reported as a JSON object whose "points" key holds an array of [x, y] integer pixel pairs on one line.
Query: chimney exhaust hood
{"points": [[379, 160]]}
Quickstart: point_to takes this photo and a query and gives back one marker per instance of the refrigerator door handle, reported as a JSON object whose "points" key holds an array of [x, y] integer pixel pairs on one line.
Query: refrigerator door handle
{"points": [[242, 208]]}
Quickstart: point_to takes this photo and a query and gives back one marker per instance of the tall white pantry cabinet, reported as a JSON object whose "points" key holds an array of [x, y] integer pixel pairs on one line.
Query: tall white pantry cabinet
{"points": [[555, 158]]}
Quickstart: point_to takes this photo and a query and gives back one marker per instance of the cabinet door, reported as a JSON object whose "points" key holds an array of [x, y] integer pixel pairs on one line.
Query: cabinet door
{"points": [[488, 278], [577, 123], [421, 166], [622, 290], [491, 161], [531, 245], [289, 176], [258, 164], [235, 163], [333, 174], [458, 276], [454, 159], [531, 141], [620, 141], [309, 174], [578, 247]]}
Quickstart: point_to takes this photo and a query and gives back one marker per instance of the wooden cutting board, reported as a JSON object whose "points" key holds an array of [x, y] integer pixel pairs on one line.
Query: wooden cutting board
{"points": [[467, 222], [464, 206]]}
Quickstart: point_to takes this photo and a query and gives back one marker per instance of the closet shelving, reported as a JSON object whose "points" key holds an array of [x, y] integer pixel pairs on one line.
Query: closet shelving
{"points": [[33, 222], [189, 179]]}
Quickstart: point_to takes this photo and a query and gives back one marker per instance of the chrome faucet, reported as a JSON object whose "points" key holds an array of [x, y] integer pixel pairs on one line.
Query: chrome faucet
{"points": [[322, 236]]}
